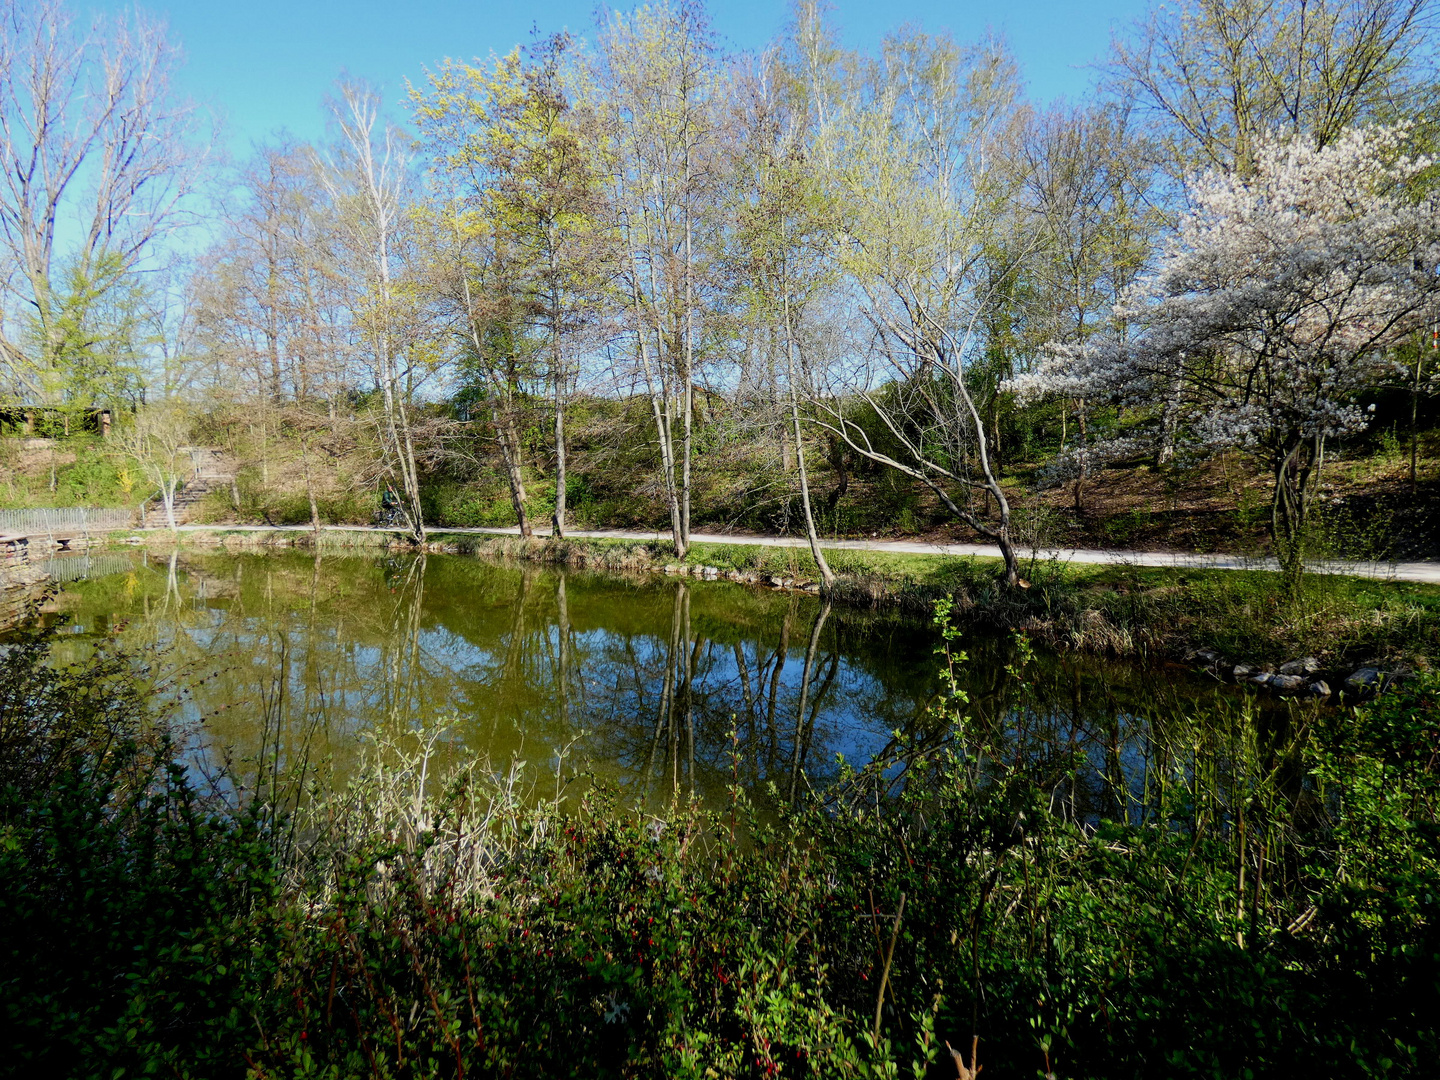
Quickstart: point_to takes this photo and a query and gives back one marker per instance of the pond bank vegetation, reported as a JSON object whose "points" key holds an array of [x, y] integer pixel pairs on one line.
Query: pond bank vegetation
{"points": [[1243, 897], [1121, 611]]}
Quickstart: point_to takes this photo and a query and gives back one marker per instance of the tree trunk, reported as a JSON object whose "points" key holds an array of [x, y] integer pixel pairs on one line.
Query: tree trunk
{"points": [[1296, 476], [310, 491], [1415, 415], [558, 377], [559, 518], [827, 576], [1001, 531], [659, 406], [925, 471], [167, 496], [1170, 423], [688, 383], [510, 454], [412, 478]]}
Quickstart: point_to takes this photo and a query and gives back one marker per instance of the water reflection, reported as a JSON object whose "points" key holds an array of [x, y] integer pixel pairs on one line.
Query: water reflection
{"points": [[670, 687]]}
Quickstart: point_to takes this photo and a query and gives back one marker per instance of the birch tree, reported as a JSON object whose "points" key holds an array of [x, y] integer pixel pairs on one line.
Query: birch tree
{"points": [[367, 176], [782, 242], [155, 438], [919, 154], [652, 96]]}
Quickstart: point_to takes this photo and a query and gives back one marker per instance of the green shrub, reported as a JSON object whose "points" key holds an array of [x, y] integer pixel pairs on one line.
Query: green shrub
{"points": [[131, 917], [1260, 901]]}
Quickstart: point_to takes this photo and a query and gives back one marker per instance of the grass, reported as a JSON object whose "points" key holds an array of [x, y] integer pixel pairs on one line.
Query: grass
{"points": [[75, 472]]}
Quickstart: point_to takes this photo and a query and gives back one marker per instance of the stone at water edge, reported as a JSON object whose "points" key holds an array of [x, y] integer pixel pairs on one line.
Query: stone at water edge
{"points": [[1320, 688], [1306, 665], [1363, 681], [1286, 684], [1242, 671], [1262, 679]]}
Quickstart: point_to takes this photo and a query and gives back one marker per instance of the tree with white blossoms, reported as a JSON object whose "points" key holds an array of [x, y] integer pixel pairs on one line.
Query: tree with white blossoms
{"points": [[1280, 298]]}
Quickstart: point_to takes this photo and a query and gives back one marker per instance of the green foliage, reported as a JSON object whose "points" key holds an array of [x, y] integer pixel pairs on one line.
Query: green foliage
{"points": [[93, 480], [83, 470], [465, 506], [1245, 900], [86, 338], [126, 907]]}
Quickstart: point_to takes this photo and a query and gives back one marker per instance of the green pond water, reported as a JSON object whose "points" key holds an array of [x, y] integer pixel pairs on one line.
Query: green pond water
{"points": [[641, 681]]}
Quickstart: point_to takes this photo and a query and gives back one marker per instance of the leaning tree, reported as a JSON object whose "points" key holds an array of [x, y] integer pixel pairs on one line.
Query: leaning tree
{"points": [[919, 155]]}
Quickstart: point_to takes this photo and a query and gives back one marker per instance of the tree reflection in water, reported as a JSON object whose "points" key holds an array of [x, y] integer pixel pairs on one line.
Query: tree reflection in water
{"points": [[290, 659]]}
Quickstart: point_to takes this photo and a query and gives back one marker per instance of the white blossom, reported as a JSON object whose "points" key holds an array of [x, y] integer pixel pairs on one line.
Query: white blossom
{"points": [[1278, 298], [1082, 459]]}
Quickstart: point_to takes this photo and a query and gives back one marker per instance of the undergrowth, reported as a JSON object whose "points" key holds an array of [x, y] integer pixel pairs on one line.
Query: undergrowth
{"points": [[1228, 900]]}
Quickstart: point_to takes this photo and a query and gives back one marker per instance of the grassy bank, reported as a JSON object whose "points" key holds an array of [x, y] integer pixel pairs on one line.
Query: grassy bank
{"points": [[1252, 903]]}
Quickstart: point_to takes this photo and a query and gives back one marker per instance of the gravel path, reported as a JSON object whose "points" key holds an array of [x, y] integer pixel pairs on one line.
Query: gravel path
{"points": [[1426, 572]]}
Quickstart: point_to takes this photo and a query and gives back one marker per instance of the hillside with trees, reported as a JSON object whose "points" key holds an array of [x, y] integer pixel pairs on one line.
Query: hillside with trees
{"points": [[632, 279]]}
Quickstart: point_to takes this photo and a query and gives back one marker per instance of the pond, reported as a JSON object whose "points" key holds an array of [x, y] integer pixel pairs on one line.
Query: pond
{"points": [[660, 685]]}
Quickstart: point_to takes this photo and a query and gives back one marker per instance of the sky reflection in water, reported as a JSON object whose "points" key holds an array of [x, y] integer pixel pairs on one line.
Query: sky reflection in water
{"points": [[643, 680]]}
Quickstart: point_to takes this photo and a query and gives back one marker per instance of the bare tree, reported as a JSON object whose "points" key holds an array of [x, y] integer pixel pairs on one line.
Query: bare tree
{"points": [[367, 173], [94, 146], [156, 440], [919, 153], [270, 311], [1221, 74]]}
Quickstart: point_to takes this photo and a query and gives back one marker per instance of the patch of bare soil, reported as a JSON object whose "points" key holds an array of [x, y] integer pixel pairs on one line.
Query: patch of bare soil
{"points": [[1216, 506], [1369, 509]]}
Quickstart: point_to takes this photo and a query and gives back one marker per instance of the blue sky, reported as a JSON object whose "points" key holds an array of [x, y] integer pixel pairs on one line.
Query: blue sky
{"points": [[265, 65]]}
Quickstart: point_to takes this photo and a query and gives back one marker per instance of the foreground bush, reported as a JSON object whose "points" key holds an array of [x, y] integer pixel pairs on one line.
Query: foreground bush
{"points": [[1260, 903]]}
